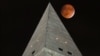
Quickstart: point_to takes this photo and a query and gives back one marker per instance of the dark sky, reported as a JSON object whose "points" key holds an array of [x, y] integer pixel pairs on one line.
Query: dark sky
{"points": [[19, 19]]}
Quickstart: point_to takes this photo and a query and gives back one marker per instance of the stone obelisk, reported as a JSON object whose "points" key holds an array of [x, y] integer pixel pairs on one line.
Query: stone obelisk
{"points": [[51, 38]]}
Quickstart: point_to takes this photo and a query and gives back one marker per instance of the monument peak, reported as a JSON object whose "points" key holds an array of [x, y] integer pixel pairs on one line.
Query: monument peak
{"points": [[51, 38]]}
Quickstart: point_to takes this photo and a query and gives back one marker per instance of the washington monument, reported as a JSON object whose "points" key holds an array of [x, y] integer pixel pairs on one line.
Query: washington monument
{"points": [[51, 38]]}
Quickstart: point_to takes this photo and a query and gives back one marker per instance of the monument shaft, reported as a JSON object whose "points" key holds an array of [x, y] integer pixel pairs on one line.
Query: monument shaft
{"points": [[51, 38]]}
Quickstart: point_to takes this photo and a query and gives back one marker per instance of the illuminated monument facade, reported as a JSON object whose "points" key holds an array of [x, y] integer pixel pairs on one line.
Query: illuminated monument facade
{"points": [[51, 38]]}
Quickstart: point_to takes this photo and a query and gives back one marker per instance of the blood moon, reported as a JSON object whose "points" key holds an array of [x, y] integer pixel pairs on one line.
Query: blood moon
{"points": [[67, 11]]}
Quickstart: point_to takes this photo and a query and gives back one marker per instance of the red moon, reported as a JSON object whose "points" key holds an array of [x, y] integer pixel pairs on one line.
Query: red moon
{"points": [[67, 11]]}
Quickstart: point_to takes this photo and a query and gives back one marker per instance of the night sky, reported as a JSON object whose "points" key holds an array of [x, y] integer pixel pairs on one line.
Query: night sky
{"points": [[19, 19]]}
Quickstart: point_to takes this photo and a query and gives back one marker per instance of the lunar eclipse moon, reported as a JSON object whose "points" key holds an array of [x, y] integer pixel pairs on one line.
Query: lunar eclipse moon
{"points": [[67, 11]]}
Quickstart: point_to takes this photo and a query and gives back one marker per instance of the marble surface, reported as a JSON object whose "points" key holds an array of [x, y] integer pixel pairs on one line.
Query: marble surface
{"points": [[51, 34]]}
